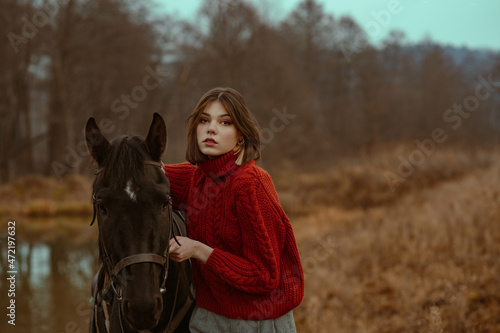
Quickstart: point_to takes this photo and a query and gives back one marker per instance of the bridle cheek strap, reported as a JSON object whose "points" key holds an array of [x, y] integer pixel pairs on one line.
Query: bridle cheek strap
{"points": [[162, 260], [94, 210], [142, 257]]}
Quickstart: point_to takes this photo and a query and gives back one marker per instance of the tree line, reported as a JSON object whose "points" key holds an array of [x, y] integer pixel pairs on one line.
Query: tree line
{"points": [[316, 91]]}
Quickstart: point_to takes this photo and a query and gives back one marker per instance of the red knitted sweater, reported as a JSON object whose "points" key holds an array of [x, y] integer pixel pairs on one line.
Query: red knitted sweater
{"points": [[254, 272]]}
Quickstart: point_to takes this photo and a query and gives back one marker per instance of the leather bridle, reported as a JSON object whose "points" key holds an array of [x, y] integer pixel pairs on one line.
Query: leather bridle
{"points": [[163, 260]]}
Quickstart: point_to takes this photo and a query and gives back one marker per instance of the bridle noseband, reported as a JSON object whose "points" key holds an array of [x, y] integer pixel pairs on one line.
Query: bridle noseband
{"points": [[163, 260]]}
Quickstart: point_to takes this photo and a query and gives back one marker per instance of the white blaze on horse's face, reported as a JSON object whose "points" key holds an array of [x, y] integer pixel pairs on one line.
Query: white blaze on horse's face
{"points": [[130, 191]]}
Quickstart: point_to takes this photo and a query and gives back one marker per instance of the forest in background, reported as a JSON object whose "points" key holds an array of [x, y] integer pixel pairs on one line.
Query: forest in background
{"points": [[318, 88], [346, 124]]}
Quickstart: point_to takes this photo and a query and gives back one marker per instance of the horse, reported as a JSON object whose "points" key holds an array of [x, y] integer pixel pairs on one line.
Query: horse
{"points": [[137, 288]]}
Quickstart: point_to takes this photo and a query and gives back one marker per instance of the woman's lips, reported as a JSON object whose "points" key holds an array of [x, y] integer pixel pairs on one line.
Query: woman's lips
{"points": [[209, 142]]}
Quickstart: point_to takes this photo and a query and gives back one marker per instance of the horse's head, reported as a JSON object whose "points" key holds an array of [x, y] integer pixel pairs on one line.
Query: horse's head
{"points": [[132, 203]]}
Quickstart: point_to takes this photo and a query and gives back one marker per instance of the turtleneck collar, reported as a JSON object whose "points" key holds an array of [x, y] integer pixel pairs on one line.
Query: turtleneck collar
{"points": [[220, 166]]}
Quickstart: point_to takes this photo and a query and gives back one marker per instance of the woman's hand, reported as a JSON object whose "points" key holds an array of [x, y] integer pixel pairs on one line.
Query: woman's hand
{"points": [[189, 249]]}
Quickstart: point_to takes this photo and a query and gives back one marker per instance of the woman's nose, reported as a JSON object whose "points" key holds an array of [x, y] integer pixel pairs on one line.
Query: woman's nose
{"points": [[212, 128]]}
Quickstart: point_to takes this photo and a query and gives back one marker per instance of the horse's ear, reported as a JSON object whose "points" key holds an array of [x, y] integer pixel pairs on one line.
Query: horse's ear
{"points": [[157, 137], [97, 144]]}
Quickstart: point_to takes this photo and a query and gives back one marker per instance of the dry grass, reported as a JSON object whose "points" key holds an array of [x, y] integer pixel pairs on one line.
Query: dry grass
{"points": [[37, 196], [362, 183], [424, 260]]}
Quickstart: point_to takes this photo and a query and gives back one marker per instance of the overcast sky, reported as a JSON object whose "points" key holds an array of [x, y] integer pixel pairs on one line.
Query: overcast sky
{"points": [[472, 23]]}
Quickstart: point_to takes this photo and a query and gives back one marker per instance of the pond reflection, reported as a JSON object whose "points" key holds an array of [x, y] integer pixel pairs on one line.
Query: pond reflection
{"points": [[54, 273]]}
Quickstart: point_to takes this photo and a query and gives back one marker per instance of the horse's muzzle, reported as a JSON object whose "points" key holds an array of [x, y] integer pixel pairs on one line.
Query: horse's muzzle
{"points": [[143, 315]]}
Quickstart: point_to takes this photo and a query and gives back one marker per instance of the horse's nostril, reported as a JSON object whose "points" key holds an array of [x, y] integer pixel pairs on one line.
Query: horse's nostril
{"points": [[145, 307], [159, 302], [126, 306]]}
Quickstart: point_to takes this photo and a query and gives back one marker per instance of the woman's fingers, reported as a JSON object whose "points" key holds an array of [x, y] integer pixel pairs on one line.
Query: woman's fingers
{"points": [[176, 252]]}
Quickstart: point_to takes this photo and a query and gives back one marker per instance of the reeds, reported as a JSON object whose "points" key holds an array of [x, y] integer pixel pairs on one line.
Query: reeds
{"points": [[421, 258], [36, 196], [424, 259]]}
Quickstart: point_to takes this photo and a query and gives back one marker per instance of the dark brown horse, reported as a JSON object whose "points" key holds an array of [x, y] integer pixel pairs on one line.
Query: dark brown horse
{"points": [[137, 288]]}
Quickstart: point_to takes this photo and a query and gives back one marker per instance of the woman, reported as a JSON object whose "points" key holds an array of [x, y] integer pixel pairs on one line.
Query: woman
{"points": [[247, 269]]}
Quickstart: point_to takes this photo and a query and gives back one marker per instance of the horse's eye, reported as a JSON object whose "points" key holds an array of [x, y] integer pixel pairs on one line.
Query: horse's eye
{"points": [[103, 209], [167, 203]]}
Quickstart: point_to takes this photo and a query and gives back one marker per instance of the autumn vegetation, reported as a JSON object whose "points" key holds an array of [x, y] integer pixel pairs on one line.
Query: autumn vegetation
{"points": [[385, 156], [419, 260], [318, 94]]}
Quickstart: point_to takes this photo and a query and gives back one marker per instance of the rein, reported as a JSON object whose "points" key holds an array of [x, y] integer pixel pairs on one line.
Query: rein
{"points": [[114, 270]]}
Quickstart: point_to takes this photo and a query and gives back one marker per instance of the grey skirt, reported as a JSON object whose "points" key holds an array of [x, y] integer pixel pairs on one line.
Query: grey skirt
{"points": [[204, 321]]}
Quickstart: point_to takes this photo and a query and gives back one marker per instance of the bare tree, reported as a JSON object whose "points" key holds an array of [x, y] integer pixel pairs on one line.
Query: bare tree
{"points": [[315, 83], [103, 63], [15, 84]]}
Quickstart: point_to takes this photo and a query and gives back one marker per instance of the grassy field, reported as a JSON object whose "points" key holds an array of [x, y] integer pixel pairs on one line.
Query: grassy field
{"points": [[420, 257], [424, 258]]}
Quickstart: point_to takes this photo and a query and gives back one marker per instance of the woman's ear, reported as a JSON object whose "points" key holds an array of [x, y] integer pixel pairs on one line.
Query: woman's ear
{"points": [[240, 137]]}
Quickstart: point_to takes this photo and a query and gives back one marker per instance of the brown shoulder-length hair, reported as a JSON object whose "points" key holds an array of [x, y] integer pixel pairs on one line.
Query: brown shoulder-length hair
{"points": [[241, 116]]}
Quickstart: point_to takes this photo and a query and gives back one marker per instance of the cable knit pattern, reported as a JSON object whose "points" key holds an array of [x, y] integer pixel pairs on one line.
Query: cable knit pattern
{"points": [[254, 272]]}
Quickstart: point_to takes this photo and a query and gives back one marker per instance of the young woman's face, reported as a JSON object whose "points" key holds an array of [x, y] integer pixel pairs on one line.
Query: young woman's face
{"points": [[216, 133]]}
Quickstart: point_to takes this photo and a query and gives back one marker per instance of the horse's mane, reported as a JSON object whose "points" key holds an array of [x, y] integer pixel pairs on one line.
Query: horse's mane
{"points": [[124, 161]]}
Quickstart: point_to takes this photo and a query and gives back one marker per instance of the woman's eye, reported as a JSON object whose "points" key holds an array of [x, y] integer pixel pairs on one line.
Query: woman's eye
{"points": [[226, 122], [203, 120]]}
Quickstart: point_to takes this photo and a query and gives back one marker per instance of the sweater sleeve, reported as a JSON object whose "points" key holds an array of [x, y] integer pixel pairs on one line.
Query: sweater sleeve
{"points": [[257, 269], [180, 176]]}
